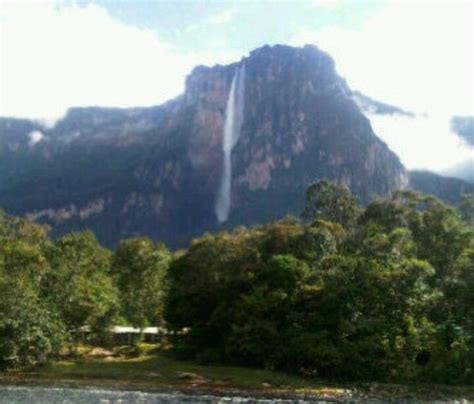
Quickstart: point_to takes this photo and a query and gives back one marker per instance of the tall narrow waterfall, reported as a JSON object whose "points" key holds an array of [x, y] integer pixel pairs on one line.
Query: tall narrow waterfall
{"points": [[234, 116]]}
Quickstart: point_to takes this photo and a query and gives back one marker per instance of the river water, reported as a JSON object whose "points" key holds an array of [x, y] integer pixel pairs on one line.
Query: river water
{"points": [[10, 394], [64, 395]]}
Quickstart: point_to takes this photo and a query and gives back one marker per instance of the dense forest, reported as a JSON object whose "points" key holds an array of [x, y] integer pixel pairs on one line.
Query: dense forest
{"points": [[345, 292]]}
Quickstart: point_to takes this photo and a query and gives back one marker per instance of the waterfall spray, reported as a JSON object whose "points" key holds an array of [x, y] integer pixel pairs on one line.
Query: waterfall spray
{"points": [[234, 115]]}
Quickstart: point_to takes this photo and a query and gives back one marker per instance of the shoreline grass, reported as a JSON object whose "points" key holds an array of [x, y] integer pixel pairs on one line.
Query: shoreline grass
{"points": [[156, 370]]}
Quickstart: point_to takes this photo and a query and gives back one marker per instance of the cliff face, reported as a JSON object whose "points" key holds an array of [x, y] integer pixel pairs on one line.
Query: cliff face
{"points": [[156, 171], [448, 189], [301, 124]]}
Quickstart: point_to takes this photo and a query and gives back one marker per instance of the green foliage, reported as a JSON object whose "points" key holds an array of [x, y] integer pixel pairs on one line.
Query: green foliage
{"points": [[79, 285], [52, 289], [381, 293], [15, 228], [139, 267], [384, 292], [328, 201], [29, 330], [466, 207], [49, 290]]}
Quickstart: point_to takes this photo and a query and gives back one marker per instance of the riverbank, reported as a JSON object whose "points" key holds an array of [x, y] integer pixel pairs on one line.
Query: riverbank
{"points": [[157, 371]]}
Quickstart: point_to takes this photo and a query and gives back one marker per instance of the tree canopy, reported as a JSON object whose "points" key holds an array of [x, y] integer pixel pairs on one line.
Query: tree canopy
{"points": [[379, 292], [382, 292]]}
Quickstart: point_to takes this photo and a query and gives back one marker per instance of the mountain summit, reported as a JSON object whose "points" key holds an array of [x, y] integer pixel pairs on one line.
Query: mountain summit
{"points": [[159, 171]]}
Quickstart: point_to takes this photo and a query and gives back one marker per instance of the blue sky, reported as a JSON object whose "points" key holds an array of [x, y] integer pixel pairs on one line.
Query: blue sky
{"points": [[238, 25], [417, 54], [123, 53]]}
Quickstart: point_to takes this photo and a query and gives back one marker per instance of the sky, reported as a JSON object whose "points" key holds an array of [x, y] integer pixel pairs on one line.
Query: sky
{"points": [[55, 54]]}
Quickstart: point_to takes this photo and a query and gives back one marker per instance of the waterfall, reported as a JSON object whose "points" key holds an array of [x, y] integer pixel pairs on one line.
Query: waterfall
{"points": [[234, 116]]}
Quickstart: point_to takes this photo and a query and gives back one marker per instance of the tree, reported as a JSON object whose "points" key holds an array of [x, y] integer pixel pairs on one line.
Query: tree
{"points": [[139, 267], [330, 202], [15, 228], [264, 316], [425, 228], [370, 318], [79, 285], [466, 207], [381, 293], [30, 331]]}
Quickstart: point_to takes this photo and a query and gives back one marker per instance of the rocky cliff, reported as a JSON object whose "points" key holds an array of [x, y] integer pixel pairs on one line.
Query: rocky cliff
{"points": [[448, 189], [157, 171]]}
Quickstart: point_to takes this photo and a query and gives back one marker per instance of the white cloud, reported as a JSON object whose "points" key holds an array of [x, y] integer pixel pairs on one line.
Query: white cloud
{"points": [[221, 18], [325, 3], [415, 54], [54, 57], [35, 137], [192, 27], [422, 141]]}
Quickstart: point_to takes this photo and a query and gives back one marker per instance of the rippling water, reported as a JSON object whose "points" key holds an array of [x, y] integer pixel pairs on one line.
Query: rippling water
{"points": [[63, 395]]}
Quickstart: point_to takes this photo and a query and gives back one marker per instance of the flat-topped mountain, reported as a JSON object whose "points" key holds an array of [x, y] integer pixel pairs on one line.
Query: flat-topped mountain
{"points": [[160, 171]]}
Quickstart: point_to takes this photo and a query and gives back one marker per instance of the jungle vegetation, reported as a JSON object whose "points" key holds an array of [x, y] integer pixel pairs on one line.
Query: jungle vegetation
{"points": [[383, 292]]}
